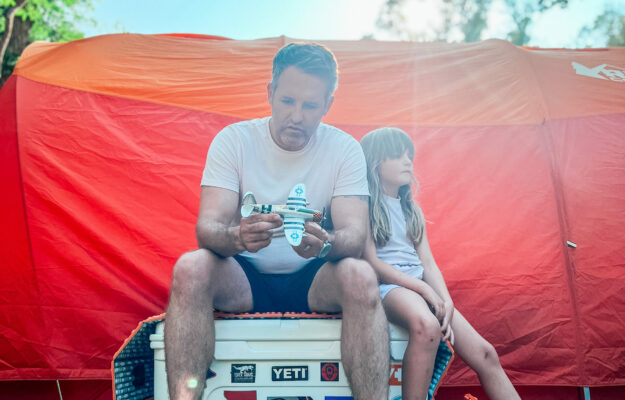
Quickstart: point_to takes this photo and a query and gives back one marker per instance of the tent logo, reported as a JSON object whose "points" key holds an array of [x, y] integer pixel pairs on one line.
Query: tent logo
{"points": [[603, 71]]}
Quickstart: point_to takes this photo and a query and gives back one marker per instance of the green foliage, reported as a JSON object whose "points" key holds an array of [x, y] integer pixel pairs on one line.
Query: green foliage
{"points": [[48, 20], [607, 29], [522, 14], [52, 20], [465, 20], [475, 20]]}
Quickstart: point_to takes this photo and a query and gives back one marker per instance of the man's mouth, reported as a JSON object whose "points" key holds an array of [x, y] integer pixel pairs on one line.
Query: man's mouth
{"points": [[295, 129]]}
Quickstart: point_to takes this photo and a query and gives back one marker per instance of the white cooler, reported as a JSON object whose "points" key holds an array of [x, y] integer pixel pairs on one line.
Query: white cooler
{"points": [[284, 358]]}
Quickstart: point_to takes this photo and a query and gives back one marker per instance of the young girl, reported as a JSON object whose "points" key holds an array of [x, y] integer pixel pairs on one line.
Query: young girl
{"points": [[413, 291]]}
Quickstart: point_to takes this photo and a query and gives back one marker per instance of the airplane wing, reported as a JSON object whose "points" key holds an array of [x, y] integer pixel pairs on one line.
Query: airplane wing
{"points": [[293, 224]]}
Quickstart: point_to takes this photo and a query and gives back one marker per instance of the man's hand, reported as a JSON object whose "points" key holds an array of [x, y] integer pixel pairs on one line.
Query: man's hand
{"points": [[255, 231], [313, 240]]}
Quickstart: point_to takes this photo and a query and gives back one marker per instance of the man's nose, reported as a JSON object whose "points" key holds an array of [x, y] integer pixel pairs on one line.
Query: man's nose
{"points": [[297, 115]]}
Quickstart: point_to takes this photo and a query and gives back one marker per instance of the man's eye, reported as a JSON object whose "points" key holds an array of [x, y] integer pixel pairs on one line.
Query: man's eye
{"points": [[287, 101], [310, 106]]}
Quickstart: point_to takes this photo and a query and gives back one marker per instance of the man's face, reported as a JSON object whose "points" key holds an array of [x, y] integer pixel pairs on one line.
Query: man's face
{"points": [[298, 103]]}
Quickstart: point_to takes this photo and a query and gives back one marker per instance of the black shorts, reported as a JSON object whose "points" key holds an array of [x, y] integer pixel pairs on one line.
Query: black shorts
{"points": [[280, 292]]}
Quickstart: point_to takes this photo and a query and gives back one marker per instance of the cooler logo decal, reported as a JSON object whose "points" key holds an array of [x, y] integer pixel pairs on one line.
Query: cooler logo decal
{"points": [[395, 379], [339, 398], [289, 373], [243, 373], [330, 371], [231, 395], [289, 398]]}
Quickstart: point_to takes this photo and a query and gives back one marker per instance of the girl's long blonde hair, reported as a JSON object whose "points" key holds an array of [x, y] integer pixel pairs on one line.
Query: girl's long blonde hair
{"points": [[379, 145]]}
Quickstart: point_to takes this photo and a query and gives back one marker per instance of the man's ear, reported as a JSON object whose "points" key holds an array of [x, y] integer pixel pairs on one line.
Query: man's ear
{"points": [[269, 91], [328, 104]]}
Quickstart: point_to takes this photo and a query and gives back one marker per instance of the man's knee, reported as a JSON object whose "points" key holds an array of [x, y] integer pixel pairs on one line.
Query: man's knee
{"points": [[193, 269], [358, 282]]}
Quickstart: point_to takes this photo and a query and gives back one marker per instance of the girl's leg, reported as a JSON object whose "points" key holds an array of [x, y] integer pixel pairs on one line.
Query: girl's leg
{"points": [[482, 358], [408, 309]]}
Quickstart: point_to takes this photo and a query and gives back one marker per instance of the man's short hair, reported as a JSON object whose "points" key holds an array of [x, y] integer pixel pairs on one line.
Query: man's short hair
{"points": [[311, 58]]}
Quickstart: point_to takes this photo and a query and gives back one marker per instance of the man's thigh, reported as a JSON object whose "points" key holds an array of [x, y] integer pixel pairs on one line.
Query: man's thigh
{"points": [[231, 289], [326, 290]]}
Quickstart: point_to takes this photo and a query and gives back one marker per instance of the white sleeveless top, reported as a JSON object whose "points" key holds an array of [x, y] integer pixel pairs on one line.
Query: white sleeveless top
{"points": [[399, 250]]}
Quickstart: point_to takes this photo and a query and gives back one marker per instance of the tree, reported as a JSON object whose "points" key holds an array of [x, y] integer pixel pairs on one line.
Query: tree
{"points": [[522, 14], [607, 29], [464, 20], [25, 21]]}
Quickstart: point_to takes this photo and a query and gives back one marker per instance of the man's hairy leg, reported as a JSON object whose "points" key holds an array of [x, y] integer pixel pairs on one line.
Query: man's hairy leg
{"points": [[200, 280], [351, 287]]}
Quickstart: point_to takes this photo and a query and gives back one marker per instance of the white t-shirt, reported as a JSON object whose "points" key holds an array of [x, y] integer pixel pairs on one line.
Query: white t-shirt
{"points": [[399, 250], [244, 158]]}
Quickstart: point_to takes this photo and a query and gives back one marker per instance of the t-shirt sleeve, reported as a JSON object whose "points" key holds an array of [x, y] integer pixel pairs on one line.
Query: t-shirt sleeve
{"points": [[221, 169], [352, 174]]}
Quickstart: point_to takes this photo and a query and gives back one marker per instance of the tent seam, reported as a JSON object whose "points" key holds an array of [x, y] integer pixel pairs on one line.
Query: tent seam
{"points": [[563, 218]]}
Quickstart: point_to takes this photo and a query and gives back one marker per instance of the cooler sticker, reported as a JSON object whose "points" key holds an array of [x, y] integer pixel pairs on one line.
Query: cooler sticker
{"points": [[330, 371], [289, 373], [397, 398], [395, 379], [210, 374], [243, 373], [289, 398], [248, 395], [339, 398]]}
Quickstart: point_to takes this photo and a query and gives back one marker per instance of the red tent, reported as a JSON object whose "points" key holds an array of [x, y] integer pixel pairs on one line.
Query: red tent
{"points": [[520, 154]]}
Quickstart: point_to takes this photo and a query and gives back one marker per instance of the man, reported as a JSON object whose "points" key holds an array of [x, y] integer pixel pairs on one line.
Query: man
{"points": [[243, 266]]}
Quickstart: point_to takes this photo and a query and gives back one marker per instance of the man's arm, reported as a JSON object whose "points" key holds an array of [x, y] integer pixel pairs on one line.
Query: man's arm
{"points": [[350, 217], [218, 227]]}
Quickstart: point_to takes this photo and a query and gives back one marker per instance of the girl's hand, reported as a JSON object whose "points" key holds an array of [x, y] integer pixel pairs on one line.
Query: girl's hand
{"points": [[446, 322], [434, 300], [449, 335]]}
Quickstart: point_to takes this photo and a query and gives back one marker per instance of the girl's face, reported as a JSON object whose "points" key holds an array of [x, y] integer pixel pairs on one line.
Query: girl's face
{"points": [[394, 173]]}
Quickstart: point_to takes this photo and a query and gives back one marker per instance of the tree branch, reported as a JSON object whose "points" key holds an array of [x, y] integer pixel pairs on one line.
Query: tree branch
{"points": [[8, 29]]}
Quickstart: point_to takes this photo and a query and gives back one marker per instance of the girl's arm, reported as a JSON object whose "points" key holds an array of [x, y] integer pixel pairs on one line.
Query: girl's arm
{"points": [[432, 276], [387, 274]]}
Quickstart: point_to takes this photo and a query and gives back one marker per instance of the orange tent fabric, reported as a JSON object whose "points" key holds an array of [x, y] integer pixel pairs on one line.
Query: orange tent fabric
{"points": [[517, 150]]}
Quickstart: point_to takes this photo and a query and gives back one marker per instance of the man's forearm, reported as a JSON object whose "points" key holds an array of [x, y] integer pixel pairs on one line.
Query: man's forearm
{"points": [[350, 215], [220, 238], [346, 243]]}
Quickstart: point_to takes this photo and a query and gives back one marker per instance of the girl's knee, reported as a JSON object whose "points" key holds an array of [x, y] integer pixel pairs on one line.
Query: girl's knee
{"points": [[486, 357], [489, 354], [426, 329]]}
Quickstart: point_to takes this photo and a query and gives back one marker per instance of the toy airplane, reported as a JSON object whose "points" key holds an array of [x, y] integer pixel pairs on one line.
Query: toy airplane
{"points": [[294, 212]]}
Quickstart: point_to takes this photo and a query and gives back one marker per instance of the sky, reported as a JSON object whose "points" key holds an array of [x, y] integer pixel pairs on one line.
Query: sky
{"points": [[316, 19]]}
